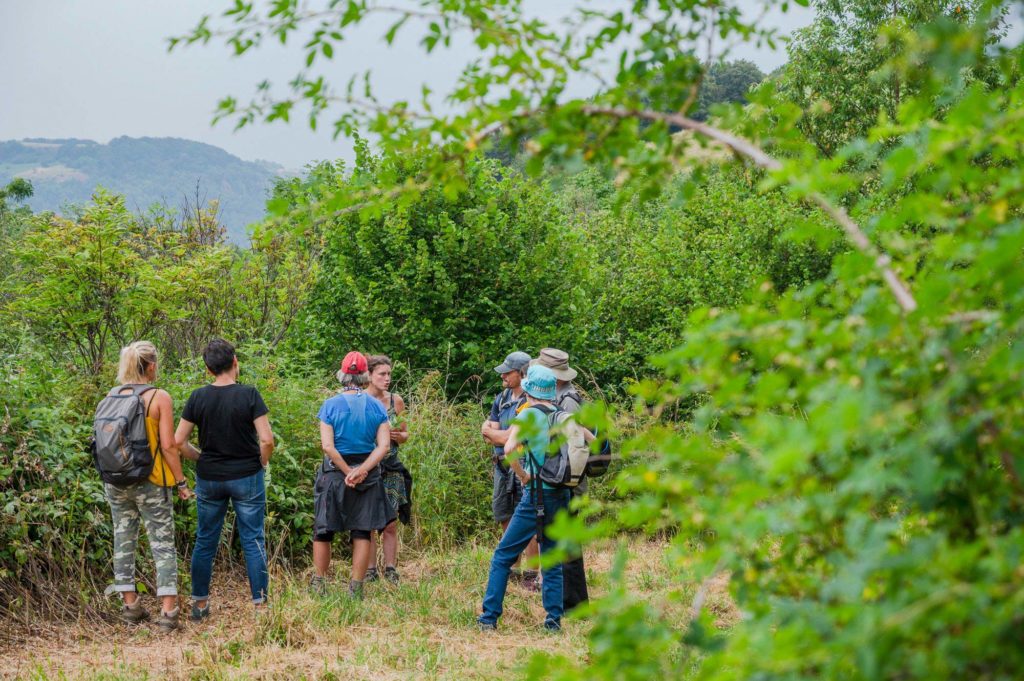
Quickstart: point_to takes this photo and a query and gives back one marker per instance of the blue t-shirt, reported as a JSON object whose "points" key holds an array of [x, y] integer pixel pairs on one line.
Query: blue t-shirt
{"points": [[503, 411], [355, 418], [534, 435]]}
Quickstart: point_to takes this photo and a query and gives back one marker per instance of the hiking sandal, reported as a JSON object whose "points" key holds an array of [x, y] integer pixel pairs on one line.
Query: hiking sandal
{"points": [[134, 613], [318, 585], [371, 575], [168, 621], [391, 574]]}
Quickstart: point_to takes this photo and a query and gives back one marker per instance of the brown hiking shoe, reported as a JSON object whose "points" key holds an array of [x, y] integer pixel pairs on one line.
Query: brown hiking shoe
{"points": [[134, 613], [168, 621]]}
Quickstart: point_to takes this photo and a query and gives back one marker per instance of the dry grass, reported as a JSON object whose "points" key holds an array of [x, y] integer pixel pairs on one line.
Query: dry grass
{"points": [[424, 628]]}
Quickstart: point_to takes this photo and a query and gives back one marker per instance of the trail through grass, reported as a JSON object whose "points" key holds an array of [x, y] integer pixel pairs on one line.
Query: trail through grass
{"points": [[423, 628]]}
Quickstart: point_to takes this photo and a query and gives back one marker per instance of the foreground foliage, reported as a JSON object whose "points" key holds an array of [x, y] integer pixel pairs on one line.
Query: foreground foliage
{"points": [[853, 463]]}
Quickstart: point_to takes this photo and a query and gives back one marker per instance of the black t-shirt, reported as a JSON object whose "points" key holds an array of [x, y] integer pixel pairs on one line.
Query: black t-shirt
{"points": [[224, 415]]}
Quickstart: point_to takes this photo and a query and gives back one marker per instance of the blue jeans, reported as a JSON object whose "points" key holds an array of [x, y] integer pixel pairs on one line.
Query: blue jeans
{"points": [[248, 496], [521, 529]]}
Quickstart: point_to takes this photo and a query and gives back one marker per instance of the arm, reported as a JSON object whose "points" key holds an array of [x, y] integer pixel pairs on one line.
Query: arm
{"points": [[181, 436], [359, 473], [492, 424], [400, 434], [327, 444], [266, 437], [511, 444], [499, 438], [489, 430], [168, 444]]}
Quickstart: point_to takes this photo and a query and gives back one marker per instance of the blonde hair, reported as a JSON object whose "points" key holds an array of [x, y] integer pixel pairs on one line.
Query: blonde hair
{"points": [[136, 358]]}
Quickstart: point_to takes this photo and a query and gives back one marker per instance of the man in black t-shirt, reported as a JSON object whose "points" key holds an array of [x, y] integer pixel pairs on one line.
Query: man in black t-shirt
{"points": [[235, 444]]}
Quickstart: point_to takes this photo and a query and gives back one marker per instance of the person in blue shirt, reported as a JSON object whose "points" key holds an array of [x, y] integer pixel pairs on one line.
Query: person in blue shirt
{"points": [[529, 430], [349, 493]]}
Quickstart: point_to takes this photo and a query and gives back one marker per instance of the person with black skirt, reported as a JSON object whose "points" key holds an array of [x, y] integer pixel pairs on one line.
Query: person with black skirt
{"points": [[349, 493]]}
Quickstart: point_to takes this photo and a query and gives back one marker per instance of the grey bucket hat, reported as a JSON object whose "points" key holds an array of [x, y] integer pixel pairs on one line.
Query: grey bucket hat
{"points": [[557, 361], [517, 361]]}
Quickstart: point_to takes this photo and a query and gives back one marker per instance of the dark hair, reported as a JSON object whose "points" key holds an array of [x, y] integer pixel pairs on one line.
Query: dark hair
{"points": [[219, 355], [375, 361]]}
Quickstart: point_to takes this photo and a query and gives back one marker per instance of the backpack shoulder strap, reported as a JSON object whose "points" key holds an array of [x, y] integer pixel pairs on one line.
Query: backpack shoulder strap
{"points": [[505, 399], [137, 389], [550, 412], [570, 394]]}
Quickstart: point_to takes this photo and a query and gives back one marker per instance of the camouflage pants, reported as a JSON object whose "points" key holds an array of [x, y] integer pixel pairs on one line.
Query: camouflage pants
{"points": [[147, 502]]}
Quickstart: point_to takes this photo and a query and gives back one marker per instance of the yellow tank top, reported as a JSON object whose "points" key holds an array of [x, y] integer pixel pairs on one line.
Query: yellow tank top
{"points": [[161, 475]]}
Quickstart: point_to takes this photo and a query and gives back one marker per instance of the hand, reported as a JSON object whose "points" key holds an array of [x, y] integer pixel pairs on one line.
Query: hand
{"points": [[355, 476], [184, 493], [525, 478]]}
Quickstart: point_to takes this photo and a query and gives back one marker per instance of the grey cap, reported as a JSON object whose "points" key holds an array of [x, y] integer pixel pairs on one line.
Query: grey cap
{"points": [[517, 361]]}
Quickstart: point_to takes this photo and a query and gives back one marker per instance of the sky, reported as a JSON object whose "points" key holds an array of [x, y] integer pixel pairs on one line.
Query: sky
{"points": [[99, 69]]}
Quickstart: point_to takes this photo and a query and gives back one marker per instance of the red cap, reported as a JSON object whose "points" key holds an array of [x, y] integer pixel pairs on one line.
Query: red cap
{"points": [[354, 363]]}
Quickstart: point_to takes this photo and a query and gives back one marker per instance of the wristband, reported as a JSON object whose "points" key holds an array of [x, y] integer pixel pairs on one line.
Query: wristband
{"points": [[182, 483]]}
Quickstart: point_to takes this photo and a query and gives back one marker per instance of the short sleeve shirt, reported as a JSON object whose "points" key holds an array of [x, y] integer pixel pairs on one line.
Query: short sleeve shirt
{"points": [[535, 437], [225, 415], [355, 418], [503, 411]]}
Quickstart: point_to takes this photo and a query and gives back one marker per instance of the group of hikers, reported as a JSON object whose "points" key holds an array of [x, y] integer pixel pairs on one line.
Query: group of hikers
{"points": [[361, 486]]}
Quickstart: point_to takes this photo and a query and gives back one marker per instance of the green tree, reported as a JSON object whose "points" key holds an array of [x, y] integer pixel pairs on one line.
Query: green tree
{"points": [[440, 282], [84, 284], [839, 71], [18, 189], [726, 83]]}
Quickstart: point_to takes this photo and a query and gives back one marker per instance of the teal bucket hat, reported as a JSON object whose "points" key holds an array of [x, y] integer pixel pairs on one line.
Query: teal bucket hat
{"points": [[540, 383]]}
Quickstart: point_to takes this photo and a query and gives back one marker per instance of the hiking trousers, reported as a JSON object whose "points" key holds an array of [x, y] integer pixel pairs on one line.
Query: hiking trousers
{"points": [[152, 505]]}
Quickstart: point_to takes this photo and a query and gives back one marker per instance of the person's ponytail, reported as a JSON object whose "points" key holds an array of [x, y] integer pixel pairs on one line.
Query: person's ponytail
{"points": [[136, 358]]}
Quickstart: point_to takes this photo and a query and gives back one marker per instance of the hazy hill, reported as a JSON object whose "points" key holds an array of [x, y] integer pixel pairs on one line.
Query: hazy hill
{"points": [[146, 170]]}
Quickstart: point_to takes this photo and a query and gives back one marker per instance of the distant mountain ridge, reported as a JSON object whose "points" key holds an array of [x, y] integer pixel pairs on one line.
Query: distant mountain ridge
{"points": [[146, 170]]}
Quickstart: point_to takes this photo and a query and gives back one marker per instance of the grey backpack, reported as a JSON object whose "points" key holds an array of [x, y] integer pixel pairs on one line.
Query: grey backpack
{"points": [[120, 447]]}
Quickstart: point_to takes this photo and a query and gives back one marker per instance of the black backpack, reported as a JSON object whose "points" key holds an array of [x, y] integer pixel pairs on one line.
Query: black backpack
{"points": [[120, 447]]}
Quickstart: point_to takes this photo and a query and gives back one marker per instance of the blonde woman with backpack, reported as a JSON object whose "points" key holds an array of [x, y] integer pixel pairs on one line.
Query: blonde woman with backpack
{"points": [[141, 488]]}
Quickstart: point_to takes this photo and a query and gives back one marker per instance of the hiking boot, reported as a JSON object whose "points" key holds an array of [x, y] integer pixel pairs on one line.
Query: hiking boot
{"points": [[371, 575], [168, 621], [486, 626], [199, 614], [134, 613], [531, 581], [355, 589], [552, 626], [391, 574], [318, 585]]}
